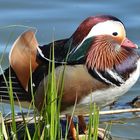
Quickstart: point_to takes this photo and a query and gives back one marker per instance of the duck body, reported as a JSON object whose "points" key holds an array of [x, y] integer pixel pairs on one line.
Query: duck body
{"points": [[100, 67], [83, 89]]}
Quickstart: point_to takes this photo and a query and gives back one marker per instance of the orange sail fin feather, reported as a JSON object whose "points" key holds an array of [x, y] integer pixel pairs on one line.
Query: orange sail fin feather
{"points": [[23, 57]]}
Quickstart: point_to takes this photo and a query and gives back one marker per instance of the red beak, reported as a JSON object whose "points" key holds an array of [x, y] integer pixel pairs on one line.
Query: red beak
{"points": [[128, 43]]}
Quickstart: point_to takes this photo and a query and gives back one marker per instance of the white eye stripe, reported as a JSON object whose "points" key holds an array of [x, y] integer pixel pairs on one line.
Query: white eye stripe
{"points": [[106, 28]]}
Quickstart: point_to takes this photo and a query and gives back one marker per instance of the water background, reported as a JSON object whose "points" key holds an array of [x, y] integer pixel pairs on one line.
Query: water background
{"points": [[59, 19]]}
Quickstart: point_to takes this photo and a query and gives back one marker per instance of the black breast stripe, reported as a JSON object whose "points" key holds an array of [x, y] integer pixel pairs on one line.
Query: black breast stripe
{"points": [[117, 80], [94, 74], [106, 77]]}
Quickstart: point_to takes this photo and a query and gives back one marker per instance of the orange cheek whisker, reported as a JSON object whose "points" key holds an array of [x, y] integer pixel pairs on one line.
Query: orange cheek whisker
{"points": [[103, 56]]}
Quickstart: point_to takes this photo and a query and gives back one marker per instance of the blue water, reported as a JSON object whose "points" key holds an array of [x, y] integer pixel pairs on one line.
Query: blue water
{"points": [[59, 19]]}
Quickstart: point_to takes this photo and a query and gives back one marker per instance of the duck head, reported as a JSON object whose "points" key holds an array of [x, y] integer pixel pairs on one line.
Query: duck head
{"points": [[102, 39]]}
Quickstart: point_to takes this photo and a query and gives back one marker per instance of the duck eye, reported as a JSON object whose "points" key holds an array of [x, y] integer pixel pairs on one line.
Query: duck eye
{"points": [[114, 33]]}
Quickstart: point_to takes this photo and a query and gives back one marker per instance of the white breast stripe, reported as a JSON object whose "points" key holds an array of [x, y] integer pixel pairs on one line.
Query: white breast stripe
{"points": [[104, 79], [115, 76]]}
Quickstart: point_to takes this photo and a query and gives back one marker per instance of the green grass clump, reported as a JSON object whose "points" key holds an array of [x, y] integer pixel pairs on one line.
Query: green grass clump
{"points": [[47, 122]]}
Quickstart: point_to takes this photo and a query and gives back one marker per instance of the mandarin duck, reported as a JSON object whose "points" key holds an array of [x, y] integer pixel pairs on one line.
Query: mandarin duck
{"points": [[101, 65]]}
